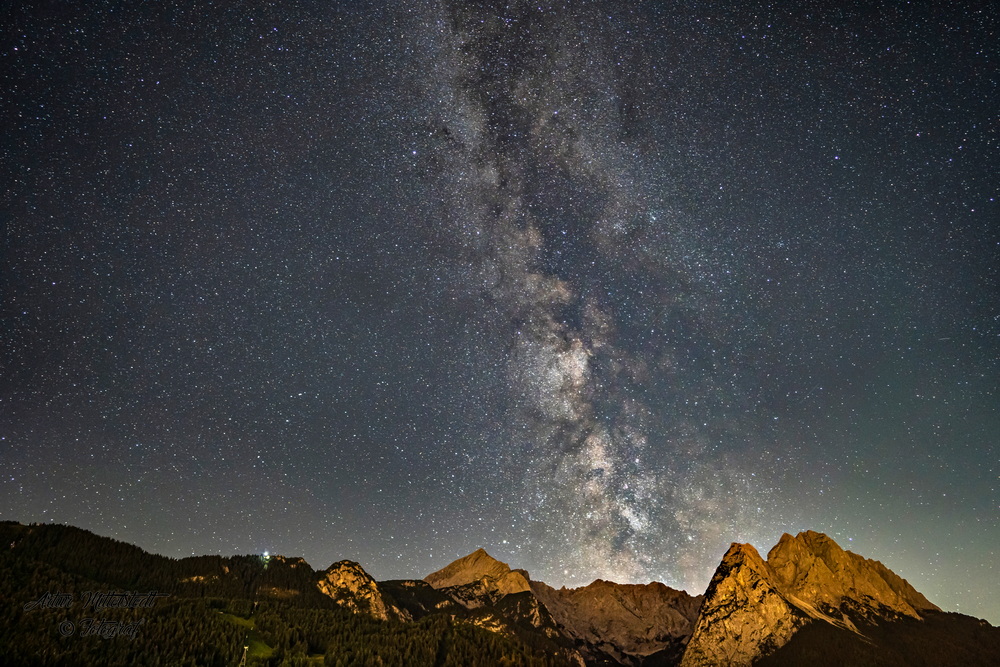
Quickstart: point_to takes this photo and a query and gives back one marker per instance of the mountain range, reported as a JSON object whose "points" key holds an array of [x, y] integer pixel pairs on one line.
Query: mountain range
{"points": [[809, 602]]}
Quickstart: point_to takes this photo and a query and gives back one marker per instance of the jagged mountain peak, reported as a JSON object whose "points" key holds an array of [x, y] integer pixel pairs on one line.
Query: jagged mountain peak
{"points": [[342, 565], [813, 568], [807, 543], [350, 586], [744, 614], [605, 587], [629, 622], [475, 567], [753, 607], [741, 554], [741, 550]]}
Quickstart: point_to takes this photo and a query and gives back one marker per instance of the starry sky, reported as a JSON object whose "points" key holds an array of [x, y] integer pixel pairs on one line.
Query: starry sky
{"points": [[600, 287]]}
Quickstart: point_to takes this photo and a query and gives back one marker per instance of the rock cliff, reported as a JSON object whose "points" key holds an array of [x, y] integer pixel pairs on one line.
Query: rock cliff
{"points": [[347, 583], [812, 569], [744, 616], [478, 579], [626, 621], [753, 607]]}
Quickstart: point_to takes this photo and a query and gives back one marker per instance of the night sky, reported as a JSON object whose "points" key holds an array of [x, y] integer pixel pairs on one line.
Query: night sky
{"points": [[600, 287]]}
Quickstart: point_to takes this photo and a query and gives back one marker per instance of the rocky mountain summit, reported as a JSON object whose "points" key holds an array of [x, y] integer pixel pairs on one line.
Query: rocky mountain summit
{"points": [[753, 607], [478, 579], [813, 570], [347, 584], [474, 567], [627, 622]]}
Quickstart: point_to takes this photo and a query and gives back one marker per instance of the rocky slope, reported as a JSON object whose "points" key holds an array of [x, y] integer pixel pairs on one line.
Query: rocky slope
{"points": [[814, 571], [754, 607], [744, 615], [500, 599], [621, 623], [628, 622], [347, 584], [478, 579]]}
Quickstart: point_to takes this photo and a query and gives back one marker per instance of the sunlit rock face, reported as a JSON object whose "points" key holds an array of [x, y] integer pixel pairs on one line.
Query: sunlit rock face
{"points": [[347, 583], [813, 569], [500, 598], [478, 579], [624, 620], [474, 567], [753, 607], [744, 615]]}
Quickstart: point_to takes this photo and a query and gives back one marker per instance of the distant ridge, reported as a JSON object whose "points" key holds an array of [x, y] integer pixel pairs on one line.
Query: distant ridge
{"points": [[810, 602]]}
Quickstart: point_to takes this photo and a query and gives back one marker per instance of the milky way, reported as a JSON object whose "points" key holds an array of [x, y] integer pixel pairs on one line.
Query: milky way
{"points": [[597, 286], [551, 210]]}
